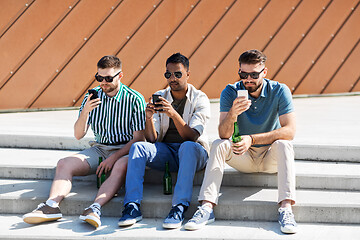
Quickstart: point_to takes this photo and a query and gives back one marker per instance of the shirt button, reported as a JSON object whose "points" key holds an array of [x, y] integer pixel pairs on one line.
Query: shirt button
{"points": [[255, 107]]}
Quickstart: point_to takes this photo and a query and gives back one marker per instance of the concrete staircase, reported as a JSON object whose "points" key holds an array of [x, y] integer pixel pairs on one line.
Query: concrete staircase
{"points": [[328, 182], [328, 192]]}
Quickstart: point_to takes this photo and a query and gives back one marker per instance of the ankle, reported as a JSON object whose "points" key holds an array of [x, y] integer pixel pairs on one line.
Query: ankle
{"points": [[52, 203]]}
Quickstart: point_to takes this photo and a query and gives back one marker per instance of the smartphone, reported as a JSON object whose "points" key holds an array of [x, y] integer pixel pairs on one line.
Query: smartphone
{"points": [[155, 98], [94, 94], [242, 93]]}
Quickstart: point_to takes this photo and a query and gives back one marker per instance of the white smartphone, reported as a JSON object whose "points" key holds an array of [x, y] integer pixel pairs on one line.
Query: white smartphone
{"points": [[242, 93]]}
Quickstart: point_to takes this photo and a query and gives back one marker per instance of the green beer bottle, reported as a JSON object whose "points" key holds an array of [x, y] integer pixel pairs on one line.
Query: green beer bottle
{"points": [[236, 135], [167, 182], [102, 178]]}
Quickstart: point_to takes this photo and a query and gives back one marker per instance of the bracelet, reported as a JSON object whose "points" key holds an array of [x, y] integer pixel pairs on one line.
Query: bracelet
{"points": [[252, 140]]}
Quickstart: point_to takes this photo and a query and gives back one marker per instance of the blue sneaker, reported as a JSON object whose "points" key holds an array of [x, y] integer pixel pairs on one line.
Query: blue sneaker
{"points": [[130, 216], [201, 218], [287, 221], [175, 217]]}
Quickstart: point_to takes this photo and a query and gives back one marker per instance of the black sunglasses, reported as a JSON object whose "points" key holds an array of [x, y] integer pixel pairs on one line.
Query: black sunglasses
{"points": [[176, 74], [107, 78], [253, 75]]}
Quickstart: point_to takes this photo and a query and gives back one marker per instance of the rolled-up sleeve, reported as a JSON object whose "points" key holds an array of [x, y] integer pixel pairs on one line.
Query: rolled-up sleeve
{"points": [[201, 114]]}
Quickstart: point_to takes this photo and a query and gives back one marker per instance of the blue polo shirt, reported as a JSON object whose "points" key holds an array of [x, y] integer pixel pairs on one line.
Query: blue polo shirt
{"points": [[263, 115]]}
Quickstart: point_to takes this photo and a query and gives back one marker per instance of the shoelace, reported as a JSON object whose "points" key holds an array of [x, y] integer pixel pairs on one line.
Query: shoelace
{"points": [[95, 209], [128, 210], [175, 213], [40, 206], [288, 218], [198, 214]]}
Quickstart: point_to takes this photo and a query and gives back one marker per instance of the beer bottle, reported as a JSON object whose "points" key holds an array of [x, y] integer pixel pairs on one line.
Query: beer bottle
{"points": [[236, 135], [167, 182], [102, 178]]}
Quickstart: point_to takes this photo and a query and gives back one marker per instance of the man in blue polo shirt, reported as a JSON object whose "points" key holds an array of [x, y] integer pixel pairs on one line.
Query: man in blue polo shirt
{"points": [[266, 122]]}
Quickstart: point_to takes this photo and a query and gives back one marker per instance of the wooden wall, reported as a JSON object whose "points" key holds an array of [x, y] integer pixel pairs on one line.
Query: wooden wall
{"points": [[49, 48]]}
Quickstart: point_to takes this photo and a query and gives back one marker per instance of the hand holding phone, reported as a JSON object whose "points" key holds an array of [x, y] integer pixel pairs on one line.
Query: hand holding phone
{"points": [[242, 93], [155, 98], [94, 94]]}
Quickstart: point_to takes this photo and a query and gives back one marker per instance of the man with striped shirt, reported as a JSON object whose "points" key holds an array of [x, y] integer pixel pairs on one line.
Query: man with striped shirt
{"points": [[117, 118]]}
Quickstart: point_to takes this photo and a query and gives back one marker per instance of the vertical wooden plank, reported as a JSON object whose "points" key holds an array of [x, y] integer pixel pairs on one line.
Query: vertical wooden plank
{"points": [[185, 40], [27, 33], [256, 37], [63, 43], [79, 73], [306, 54], [332, 58]]}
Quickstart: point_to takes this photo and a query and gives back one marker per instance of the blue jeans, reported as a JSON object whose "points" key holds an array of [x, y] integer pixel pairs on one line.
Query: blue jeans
{"points": [[185, 158]]}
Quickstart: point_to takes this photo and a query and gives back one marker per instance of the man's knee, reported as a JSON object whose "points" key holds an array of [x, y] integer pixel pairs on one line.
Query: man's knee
{"points": [[138, 148], [223, 145], [189, 146], [63, 164], [120, 166], [282, 145]]}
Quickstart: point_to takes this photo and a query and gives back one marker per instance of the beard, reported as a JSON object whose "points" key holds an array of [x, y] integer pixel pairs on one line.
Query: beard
{"points": [[252, 89], [107, 88]]}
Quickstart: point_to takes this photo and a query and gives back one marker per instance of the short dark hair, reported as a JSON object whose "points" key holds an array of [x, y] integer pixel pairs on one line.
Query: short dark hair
{"points": [[109, 61], [178, 58], [252, 57]]}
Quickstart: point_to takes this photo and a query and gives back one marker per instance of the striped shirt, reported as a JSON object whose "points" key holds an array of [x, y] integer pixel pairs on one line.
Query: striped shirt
{"points": [[116, 118]]}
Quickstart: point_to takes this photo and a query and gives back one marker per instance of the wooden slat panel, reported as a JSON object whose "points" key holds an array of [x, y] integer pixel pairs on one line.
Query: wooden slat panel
{"points": [[112, 35], [63, 44], [185, 40], [258, 35], [346, 77], [326, 66], [292, 34], [10, 10], [152, 35], [221, 40], [314, 43], [24, 36]]}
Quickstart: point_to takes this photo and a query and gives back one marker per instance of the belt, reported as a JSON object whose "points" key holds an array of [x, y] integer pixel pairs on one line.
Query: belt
{"points": [[117, 143]]}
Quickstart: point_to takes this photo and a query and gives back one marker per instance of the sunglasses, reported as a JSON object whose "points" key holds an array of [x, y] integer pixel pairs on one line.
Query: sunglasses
{"points": [[167, 75], [253, 75], [107, 78]]}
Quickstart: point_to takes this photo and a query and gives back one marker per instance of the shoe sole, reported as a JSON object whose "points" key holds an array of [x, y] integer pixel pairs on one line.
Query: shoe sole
{"points": [[288, 230], [193, 227], [129, 222], [91, 220], [41, 218], [172, 225]]}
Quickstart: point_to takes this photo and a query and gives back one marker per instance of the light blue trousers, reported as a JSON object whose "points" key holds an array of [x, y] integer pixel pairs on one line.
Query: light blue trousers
{"points": [[185, 158]]}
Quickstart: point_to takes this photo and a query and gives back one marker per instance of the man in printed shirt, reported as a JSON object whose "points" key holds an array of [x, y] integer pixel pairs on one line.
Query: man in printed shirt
{"points": [[175, 132], [117, 118]]}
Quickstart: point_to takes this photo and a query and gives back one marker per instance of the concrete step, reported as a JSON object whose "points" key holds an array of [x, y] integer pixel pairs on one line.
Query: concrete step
{"points": [[236, 203], [71, 228], [60, 142], [40, 164]]}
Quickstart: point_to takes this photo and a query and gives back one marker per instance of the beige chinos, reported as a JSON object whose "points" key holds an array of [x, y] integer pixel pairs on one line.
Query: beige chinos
{"points": [[277, 157]]}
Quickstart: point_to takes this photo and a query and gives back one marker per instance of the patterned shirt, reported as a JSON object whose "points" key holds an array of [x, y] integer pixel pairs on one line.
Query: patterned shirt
{"points": [[116, 118]]}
